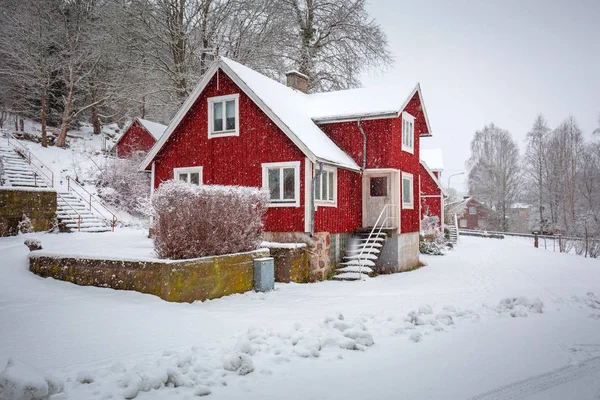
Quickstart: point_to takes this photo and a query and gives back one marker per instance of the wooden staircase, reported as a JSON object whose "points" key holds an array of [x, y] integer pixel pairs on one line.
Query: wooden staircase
{"points": [[71, 211]]}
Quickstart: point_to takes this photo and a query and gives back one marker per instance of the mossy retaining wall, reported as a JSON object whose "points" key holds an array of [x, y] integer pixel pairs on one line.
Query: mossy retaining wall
{"points": [[291, 263], [38, 204], [177, 281]]}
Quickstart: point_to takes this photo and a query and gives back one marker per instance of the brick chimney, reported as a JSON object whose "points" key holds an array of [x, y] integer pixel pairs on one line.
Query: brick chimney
{"points": [[296, 80]]}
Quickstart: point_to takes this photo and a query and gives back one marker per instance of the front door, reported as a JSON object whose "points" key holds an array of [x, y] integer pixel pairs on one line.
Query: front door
{"points": [[378, 193]]}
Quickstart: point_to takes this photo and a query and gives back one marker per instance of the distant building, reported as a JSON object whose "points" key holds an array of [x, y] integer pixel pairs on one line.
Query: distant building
{"points": [[477, 216], [139, 136]]}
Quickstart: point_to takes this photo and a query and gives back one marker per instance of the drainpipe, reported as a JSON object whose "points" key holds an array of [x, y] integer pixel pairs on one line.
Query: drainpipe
{"points": [[313, 208], [364, 164]]}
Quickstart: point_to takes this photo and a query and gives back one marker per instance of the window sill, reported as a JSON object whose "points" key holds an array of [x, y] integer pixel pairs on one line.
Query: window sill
{"points": [[320, 203], [408, 206], [295, 204], [410, 150], [223, 134]]}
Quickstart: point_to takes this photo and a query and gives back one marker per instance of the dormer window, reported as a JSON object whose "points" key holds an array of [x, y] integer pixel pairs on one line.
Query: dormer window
{"points": [[223, 116], [408, 132]]}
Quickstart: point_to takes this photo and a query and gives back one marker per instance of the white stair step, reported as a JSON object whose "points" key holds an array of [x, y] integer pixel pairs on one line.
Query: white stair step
{"points": [[372, 239], [355, 268], [367, 263], [350, 276], [366, 244], [364, 256]]}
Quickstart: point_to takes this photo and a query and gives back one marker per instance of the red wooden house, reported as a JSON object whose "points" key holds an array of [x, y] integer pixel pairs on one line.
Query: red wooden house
{"points": [[332, 162], [432, 191], [140, 135]]}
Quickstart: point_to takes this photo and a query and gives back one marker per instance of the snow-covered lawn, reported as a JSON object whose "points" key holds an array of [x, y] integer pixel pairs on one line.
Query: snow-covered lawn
{"points": [[445, 331]]}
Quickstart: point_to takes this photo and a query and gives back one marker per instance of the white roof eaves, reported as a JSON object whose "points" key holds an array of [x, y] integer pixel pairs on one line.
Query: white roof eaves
{"points": [[435, 179], [183, 110]]}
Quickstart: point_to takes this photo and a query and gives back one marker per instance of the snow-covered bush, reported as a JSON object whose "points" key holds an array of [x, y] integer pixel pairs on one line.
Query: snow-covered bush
{"points": [[194, 221], [122, 186], [431, 240], [25, 225]]}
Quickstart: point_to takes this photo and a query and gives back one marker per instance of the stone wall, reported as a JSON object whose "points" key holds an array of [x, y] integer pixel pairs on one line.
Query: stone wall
{"points": [[38, 204], [318, 250], [177, 281], [291, 263]]}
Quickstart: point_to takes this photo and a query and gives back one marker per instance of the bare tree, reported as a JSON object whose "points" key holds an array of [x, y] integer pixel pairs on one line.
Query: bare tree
{"points": [[333, 42], [535, 160], [494, 173]]}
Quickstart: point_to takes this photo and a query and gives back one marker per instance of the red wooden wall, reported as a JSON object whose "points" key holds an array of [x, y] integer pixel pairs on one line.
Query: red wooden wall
{"points": [[136, 138], [347, 216], [234, 160], [431, 205]]}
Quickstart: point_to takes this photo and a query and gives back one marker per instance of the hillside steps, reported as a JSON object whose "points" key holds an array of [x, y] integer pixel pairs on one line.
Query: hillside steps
{"points": [[368, 249], [72, 213]]}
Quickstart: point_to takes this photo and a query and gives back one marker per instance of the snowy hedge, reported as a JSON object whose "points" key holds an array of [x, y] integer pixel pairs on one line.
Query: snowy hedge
{"points": [[193, 221]]}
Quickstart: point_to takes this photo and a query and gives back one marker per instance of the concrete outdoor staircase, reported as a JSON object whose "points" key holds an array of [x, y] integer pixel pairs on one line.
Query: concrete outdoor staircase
{"points": [[361, 256], [71, 211], [453, 233]]}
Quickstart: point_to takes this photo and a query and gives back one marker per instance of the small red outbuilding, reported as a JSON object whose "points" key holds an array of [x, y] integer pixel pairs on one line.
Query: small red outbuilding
{"points": [[140, 136]]}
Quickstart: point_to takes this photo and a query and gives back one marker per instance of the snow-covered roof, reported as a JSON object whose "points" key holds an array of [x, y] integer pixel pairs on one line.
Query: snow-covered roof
{"points": [[433, 158], [433, 177], [154, 128], [297, 113], [521, 205]]}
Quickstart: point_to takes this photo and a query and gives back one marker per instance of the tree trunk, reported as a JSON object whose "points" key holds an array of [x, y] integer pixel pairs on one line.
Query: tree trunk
{"points": [[66, 121], [96, 120], [143, 107], [43, 117], [21, 124]]}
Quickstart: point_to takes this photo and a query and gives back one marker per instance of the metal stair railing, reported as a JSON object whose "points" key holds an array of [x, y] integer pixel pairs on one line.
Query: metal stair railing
{"points": [[74, 210], [390, 214], [456, 227], [91, 201], [44, 171]]}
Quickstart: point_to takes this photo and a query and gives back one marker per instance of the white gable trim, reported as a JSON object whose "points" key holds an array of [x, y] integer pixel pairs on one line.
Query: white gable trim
{"points": [[127, 128], [435, 179], [185, 108]]}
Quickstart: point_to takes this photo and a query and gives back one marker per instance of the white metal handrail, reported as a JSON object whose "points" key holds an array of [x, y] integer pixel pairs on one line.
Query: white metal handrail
{"points": [[43, 169], [456, 227], [88, 198], [389, 210]]}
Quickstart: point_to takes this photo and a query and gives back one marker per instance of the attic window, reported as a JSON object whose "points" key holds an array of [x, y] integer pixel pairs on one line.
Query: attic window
{"points": [[223, 116], [408, 132]]}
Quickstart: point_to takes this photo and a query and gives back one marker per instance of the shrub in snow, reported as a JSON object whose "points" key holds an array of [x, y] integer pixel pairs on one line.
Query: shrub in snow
{"points": [[25, 225], [431, 240], [33, 244], [20, 381], [193, 221], [122, 186]]}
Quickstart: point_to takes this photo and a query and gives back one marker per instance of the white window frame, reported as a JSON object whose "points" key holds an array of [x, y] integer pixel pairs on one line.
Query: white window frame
{"points": [[188, 171], [472, 210], [463, 223], [408, 133], [408, 205], [327, 202], [223, 99], [280, 165]]}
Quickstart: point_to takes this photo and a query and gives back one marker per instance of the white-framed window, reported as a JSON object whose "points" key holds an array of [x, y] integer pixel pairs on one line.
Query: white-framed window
{"points": [[188, 174], [223, 116], [407, 191], [462, 223], [472, 210], [326, 187], [408, 132], [282, 181]]}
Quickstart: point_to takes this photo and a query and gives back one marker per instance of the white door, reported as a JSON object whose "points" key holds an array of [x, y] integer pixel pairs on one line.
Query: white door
{"points": [[378, 193]]}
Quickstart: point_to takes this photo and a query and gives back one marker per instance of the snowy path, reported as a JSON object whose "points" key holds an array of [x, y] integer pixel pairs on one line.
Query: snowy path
{"points": [[65, 329]]}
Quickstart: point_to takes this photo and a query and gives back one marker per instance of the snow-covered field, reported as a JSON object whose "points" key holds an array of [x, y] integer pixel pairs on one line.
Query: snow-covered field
{"points": [[495, 319]]}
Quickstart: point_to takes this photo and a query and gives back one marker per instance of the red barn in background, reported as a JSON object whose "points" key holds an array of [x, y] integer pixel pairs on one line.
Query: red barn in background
{"points": [[333, 163], [140, 135]]}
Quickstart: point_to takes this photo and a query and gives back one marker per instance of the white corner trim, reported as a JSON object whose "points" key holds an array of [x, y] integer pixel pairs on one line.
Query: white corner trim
{"points": [[408, 205], [218, 99], [308, 168], [435, 179], [287, 164], [152, 177]]}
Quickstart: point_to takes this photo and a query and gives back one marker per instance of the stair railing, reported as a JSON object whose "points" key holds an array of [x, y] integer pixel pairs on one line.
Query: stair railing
{"points": [[35, 162], [65, 201], [389, 210], [92, 201], [456, 227]]}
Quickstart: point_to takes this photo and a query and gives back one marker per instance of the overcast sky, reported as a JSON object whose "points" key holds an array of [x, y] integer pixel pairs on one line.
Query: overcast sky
{"points": [[500, 61]]}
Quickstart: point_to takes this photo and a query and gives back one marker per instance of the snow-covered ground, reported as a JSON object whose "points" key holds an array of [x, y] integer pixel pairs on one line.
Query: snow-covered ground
{"points": [[495, 319]]}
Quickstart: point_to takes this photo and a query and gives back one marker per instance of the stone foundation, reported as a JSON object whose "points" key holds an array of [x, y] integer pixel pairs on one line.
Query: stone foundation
{"points": [[38, 204], [318, 250], [291, 262], [177, 281], [400, 253]]}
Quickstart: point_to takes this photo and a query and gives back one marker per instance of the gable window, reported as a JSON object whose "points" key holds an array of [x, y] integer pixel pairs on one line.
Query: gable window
{"points": [[408, 132], [189, 174], [407, 191], [462, 223], [223, 116], [472, 210], [326, 186], [282, 181]]}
